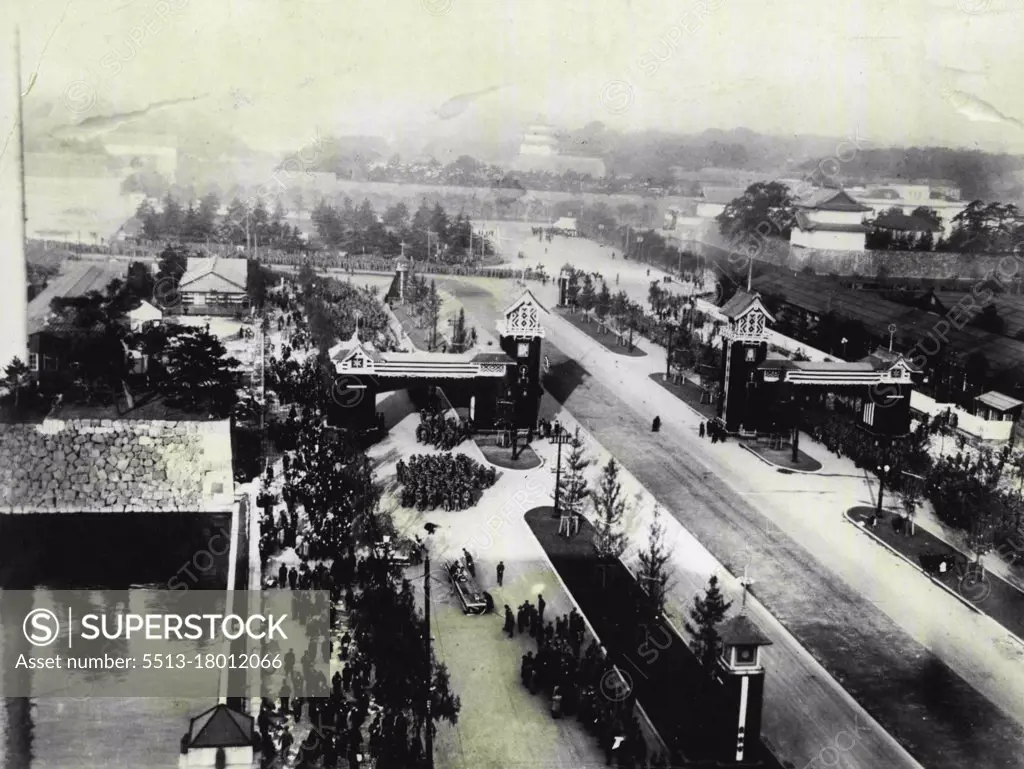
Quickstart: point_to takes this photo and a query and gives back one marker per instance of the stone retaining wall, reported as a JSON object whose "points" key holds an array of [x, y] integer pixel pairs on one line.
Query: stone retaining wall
{"points": [[927, 265], [93, 465]]}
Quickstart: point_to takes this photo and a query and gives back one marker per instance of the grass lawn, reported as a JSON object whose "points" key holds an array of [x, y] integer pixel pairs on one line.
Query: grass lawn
{"points": [[658, 665], [783, 457], [608, 338], [687, 392], [987, 592], [526, 459]]}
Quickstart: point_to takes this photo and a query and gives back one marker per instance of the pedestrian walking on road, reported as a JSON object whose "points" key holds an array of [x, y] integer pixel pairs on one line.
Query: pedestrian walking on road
{"points": [[540, 609], [510, 622], [526, 668], [701, 430], [501, 572]]}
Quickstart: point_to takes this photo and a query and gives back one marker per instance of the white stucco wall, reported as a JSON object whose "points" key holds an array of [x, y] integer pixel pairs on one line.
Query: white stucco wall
{"points": [[709, 210], [835, 217], [824, 239]]}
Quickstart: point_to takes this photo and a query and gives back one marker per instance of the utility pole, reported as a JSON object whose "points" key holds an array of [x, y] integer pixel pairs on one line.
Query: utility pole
{"points": [[429, 737], [668, 354], [882, 472]]}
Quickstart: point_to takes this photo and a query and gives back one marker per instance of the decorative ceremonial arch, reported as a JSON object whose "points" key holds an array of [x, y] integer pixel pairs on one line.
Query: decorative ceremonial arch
{"points": [[754, 385], [483, 375]]}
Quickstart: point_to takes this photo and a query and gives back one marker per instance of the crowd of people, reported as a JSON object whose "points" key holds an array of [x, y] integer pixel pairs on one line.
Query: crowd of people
{"points": [[713, 430], [445, 433], [575, 681], [451, 481]]}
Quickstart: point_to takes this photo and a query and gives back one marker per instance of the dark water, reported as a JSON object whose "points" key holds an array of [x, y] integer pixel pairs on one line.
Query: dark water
{"points": [[103, 551]]}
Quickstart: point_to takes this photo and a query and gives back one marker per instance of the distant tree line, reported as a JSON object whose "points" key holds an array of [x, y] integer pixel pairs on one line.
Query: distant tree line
{"points": [[430, 234], [201, 222]]}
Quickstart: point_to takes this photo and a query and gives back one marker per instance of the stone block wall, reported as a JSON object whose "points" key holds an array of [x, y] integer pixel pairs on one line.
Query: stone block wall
{"points": [[927, 265], [93, 465]]}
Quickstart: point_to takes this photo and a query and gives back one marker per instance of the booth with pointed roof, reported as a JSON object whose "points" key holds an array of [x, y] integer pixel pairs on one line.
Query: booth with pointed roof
{"points": [[219, 738], [741, 677]]}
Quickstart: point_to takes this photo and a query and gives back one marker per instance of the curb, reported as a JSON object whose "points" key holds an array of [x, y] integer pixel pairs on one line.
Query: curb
{"points": [[780, 467], [572, 600], [878, 540]]}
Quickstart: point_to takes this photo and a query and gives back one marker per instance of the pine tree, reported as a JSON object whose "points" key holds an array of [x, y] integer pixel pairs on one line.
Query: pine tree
{"points": [[610, 506], [653, 574], [587, 297], [705, 616], [460, 335], [574, 483], [15, 375], [433, 306]]}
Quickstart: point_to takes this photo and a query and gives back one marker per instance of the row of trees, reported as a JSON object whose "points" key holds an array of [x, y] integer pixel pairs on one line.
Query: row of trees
{"points": [[428, 234], [612, 508], [244, 222]]}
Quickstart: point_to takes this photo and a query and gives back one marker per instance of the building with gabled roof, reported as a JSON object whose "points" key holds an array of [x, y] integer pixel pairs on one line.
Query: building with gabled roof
{"points": [[214, 285], [116, 466], [830, 220]]}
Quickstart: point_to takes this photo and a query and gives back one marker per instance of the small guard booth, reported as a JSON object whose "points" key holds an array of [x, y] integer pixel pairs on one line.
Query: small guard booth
{"points": [[741, 677], [219, 738]]}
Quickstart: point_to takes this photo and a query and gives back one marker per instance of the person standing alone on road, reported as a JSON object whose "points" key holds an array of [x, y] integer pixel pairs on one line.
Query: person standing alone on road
{"points": [[701, 431], [501, 572]]}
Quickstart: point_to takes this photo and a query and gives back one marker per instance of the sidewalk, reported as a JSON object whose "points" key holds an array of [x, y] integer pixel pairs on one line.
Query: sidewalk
{"points": [[500, 724]]}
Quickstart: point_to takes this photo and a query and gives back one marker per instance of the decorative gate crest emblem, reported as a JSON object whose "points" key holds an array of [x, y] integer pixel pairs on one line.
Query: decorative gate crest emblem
{"points": [[523, 317]]}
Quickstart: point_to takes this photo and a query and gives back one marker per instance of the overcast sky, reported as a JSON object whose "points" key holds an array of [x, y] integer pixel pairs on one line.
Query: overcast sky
{"points": [[891, 71]]}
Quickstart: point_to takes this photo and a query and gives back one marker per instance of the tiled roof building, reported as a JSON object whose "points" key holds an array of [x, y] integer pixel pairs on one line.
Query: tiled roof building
{"points": [[94, 465]]}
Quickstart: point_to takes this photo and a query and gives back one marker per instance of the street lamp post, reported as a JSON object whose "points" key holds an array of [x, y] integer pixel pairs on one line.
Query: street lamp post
{"points": [[668, 353], [883, 471]]}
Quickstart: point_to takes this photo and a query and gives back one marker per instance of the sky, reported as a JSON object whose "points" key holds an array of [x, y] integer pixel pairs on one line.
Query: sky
{"points": [[276, 72]]}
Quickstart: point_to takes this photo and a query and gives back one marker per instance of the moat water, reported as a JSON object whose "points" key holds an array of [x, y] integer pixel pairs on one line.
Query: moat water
{"points": [[113, 552]]}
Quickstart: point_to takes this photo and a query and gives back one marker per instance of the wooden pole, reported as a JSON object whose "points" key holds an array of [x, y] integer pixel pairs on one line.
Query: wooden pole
{"points": [[429, 736]]}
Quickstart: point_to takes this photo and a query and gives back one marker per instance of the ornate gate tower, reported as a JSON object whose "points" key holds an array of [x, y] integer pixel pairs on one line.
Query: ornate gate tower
{"points": [[744, 348], [520, 337]]}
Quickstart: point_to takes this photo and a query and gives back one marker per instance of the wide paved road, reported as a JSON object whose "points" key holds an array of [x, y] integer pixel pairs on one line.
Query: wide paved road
{"points": [[900, 669]]}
